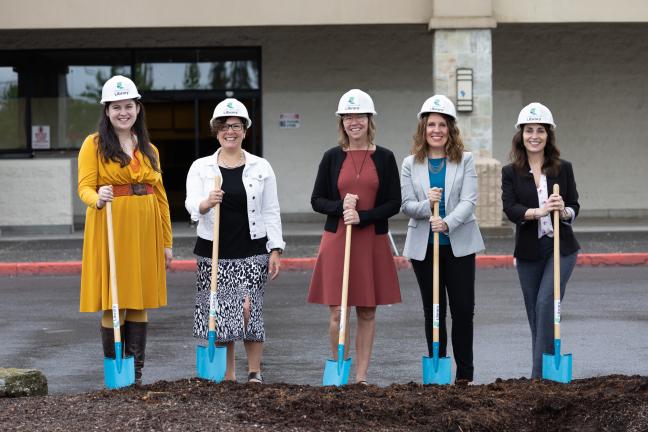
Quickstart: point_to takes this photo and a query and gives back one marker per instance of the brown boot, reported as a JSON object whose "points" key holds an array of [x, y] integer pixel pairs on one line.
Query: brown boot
{"points": [[136, 346]]}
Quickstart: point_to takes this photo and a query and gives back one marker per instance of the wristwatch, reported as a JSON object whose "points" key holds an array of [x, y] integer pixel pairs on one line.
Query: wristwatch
{"points": [[277, 250]]}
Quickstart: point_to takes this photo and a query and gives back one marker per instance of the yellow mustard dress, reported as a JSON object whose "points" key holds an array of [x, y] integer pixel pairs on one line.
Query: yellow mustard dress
{"points": [[142, 229]]}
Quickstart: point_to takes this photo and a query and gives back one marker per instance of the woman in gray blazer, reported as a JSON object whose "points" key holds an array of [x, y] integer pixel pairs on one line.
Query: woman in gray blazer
{"points": [[440, 170]]}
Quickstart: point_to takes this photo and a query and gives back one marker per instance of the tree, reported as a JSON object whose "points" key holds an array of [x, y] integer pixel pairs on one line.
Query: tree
{"points": [[191, 76]]}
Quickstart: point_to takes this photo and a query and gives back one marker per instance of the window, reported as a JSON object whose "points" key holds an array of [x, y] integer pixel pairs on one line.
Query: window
{"points": [[58, 91], [12, 112]]}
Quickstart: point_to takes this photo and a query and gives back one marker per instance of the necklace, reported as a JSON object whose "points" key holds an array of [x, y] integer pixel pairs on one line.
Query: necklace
{"points": [[240, 161], [436, 169], [364, 158]]}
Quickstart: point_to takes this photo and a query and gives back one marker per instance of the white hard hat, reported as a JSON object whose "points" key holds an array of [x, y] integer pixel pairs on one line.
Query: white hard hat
{"points": [[119, 88], [438, 104], [535, 113], [355, 102], [231, 107]]}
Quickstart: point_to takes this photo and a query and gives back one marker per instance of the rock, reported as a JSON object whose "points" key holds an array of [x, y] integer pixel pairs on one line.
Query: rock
{"points": [[22, 382]]}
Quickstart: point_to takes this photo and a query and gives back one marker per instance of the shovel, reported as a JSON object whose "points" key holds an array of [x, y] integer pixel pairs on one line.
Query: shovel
{"points": [[337, 372], [436, 370], [118, 372], [557, 367], [211, 361]]}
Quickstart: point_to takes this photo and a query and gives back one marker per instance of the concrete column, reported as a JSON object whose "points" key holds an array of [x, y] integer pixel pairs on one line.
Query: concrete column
{"points": [[472, 48]]}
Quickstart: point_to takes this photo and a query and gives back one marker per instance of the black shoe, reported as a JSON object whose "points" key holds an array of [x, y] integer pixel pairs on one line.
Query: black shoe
{"points": [[255, 377], [136, 346]]}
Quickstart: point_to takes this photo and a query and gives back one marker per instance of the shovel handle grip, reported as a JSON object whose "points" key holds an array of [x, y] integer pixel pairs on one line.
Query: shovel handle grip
{"points": [[214, 266], [435, 277], [112, 269], [556, 275], [345, 286]]}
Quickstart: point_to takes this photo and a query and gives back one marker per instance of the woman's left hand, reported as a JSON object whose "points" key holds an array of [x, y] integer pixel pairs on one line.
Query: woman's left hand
{"points": [[168, 257], [351, 217], [274, 265], [438, 225], [555, 202]]}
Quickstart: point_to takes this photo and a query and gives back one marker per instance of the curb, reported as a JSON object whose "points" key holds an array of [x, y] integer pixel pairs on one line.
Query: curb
{"points": [[307, 264]]}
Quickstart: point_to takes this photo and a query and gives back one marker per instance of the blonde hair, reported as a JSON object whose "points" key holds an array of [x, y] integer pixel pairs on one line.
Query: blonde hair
{"points": [[454, 148], [343, 139]]}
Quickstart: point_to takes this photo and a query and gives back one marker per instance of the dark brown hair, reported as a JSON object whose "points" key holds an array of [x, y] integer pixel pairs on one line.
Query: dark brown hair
{"points": [[520, 160], [343, 139], [454, 148], [214, 124], [109, 147]]}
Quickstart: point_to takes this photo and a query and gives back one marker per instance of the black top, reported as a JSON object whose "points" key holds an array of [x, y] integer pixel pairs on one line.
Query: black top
{"points": [[519, 193], [234, 231], [326, 196]]}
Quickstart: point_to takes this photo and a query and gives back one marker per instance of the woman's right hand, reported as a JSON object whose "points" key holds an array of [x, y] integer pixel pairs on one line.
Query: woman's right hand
{"points": [[105, 195], [214, 197], [434, 195], [350, 202]]}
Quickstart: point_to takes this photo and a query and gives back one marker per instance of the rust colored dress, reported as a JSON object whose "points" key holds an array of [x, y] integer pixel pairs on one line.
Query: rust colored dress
{"points": [[142, 229], [373, 279]]}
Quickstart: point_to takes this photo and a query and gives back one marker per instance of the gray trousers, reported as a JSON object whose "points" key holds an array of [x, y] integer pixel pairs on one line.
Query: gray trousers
{"points": [[536, 280]]}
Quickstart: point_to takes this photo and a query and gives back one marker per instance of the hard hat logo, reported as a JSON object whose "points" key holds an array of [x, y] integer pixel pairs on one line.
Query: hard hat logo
{"points": [[533, 112], [437, 102], [120, 86], [230, 105], [352, 100]]}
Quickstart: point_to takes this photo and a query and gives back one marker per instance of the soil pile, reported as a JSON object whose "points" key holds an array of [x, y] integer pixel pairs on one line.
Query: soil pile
{"points": [[612, 403]]}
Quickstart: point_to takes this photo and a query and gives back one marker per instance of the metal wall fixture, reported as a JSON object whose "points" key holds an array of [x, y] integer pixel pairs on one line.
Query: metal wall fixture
{"points": [[464, 90]]}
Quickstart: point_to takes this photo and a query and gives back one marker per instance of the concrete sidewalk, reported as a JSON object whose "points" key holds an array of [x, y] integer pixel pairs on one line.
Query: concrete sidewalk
{"points": [[604, 241]]}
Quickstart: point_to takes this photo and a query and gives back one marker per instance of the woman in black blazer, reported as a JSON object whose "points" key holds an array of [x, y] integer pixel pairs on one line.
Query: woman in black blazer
{"points": [[529, 203]]}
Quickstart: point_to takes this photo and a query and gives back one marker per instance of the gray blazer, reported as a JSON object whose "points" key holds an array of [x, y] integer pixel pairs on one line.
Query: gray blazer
{"points": [[460, 200]]}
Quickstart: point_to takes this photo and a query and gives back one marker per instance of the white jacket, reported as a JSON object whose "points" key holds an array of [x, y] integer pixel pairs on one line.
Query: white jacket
{"points": [[262, 202]]}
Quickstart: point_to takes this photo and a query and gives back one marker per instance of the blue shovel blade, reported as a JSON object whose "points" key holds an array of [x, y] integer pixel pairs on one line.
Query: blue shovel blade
{"points": [[334, 375], [556, 367], [119, 372], [437, 371], [211, 367]]}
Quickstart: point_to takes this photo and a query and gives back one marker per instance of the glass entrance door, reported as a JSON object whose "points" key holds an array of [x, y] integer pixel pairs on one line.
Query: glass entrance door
{"points": [[178, 124]]}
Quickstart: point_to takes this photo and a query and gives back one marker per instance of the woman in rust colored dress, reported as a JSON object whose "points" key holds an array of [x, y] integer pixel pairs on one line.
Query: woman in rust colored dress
{"points": [[357, 184]]}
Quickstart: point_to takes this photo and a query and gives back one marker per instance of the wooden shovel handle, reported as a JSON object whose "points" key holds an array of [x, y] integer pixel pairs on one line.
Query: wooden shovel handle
{"points": [[556, 234], [216, 239], [114, 292], [345, 287], [435, 274]]}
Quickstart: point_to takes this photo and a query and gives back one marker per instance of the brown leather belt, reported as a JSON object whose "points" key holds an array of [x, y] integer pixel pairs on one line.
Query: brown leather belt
{"points": [[132, 189]]}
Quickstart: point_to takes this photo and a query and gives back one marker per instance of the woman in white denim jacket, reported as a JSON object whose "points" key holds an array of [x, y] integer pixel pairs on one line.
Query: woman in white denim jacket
{"points": [[250, 237]]}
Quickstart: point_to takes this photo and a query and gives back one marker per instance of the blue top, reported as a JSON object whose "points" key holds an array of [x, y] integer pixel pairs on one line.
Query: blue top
{"points": [[437, 172]]}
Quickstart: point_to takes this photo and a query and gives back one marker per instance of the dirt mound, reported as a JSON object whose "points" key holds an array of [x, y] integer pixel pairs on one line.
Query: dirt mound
{"points": [[613, 403]]}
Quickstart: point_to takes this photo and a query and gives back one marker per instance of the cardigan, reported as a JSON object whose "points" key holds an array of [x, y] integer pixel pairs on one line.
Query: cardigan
{"points": [[326, 196], [519, 193]]}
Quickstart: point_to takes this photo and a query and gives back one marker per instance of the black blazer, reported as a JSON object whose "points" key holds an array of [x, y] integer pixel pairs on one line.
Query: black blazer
{"points": [[326, 196], [519, 194]]}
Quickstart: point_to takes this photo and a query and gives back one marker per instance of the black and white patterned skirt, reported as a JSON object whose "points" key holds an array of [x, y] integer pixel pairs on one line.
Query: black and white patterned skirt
{"points": [[237, 279]]}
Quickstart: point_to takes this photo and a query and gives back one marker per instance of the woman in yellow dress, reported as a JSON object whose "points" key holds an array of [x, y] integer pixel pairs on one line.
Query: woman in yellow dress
{"points": [[118, 164]]}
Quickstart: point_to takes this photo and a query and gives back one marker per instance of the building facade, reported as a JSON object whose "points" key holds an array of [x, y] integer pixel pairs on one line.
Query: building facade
{"points": [[289, 61]]}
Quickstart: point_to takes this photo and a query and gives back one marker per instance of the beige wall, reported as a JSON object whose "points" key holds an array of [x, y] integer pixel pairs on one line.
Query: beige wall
{"points": [[42, 14], [68, 14], [593, 78]]}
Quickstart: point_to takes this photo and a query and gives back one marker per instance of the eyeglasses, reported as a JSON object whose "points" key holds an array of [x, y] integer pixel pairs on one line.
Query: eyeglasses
{"points": [[347, 118], [236, 127]]}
